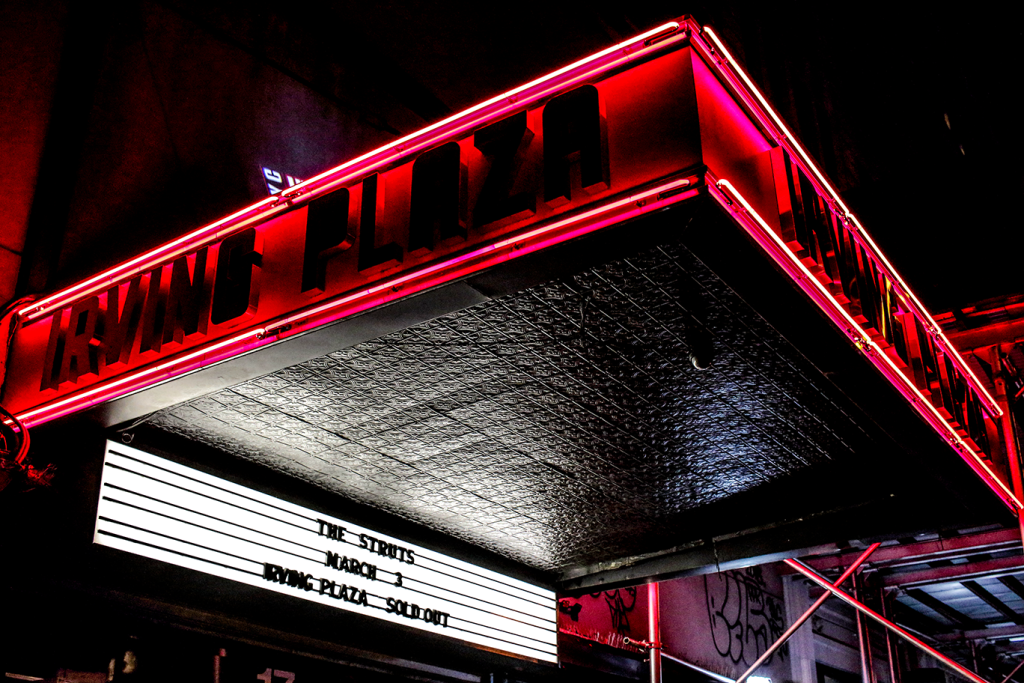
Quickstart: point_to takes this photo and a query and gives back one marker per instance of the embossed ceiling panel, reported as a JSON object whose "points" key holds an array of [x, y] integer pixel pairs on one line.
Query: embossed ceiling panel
{"points": [[558, 426]]}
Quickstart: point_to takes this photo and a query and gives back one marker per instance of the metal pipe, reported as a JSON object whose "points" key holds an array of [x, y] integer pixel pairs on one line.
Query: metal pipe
{"points": [[890, 647], [1009, 435], [1010, 429], [654, 629], [862, 642], [823, 582], [1015, 670], [807, 614], [216, 664], [24, 439], [859, 585]]}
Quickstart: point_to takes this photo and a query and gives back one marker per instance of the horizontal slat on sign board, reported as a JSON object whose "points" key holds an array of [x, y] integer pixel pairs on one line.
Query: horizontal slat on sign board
{"points": [[153, 486], [160, 533], [265, 508], [159, 509]]}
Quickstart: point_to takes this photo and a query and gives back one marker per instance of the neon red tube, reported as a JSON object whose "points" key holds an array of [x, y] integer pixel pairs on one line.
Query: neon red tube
{"points": [[732, 201], [630, 50], [662, 37], [541, 237], [717, 55]]}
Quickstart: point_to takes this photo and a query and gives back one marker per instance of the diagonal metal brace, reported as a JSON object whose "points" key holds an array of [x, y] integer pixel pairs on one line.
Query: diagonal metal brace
{"points": [[807, 615], [823, 582]]}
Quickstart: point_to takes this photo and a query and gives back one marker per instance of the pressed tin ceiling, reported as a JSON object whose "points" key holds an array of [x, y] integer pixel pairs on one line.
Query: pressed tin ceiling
{"points": [[558, 426]]}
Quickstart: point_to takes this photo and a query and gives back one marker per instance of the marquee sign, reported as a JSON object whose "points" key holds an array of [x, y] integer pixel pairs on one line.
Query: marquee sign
{"points": [[654, 121], [160, 509], [817, 240], [589, 146]]}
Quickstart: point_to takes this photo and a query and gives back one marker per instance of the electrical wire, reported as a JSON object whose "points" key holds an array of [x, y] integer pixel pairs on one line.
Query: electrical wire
{"points": [[16, 303], [25, 441], [8, 418]]}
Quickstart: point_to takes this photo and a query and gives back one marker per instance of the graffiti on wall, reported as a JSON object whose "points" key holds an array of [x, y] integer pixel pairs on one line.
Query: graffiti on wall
{"points": [[745, 618], [605, 617], [620, 603]]}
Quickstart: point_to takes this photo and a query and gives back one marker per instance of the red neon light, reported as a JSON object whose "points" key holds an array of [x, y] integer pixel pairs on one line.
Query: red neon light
{"points": [[556, 232], [290, 324], [727, 195], [493, 109], [717, 56]]}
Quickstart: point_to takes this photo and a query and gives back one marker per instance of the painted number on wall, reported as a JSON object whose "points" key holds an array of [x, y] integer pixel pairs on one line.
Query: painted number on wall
{"points": [[272, 676]]}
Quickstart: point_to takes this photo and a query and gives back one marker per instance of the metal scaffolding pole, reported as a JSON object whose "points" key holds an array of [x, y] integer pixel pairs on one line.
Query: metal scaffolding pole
{"points": [[1016, 669], [1006, 426], [654, 629], [653, 646], [867, 673], [894, 665], [823, 582], [806, 615]]}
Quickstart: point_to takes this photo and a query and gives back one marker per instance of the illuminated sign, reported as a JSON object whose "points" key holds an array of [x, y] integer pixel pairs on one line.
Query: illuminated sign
{"points": [[821, 240], [588, 147], [648, 123], [160, 509], [277, 181], [817, 240]]}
